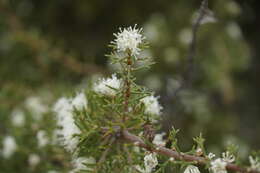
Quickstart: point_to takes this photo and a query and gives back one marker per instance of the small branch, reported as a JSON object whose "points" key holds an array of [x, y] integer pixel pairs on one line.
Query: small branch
{"points": [[104, 154], [187, 77], [176, 155]]}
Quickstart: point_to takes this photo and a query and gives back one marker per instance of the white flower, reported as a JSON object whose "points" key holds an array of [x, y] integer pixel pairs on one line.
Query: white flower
{"points": [[234, 30], [218, 166], [254, 163], [227, 157], [108, 86], [9, 147], [152, 105], [42, 138], [18, 118], [129, 39], [80, 101], [81, 162], [34, 160], [36, 107], [185, 36], [158, 140], [150, 162], [211, 156], [64, 110], [192, 169]]}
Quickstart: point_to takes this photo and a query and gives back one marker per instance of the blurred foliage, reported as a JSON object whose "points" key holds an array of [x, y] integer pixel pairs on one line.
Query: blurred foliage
{"points": [[54, 46]]}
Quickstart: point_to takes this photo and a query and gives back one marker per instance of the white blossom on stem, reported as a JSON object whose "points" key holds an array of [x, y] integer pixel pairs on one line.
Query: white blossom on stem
{"points": [[129, 39], [211, 156], [152, 105], [192, 169], [158, 140], [108, 86], [150, 162], [254, 163], [227, 157], [218, 166], [80, 102], [66, 133]]}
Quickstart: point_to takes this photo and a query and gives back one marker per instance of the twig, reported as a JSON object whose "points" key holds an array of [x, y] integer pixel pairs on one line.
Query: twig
{"points": [[104, 154], [188, 73], [176, 155]]}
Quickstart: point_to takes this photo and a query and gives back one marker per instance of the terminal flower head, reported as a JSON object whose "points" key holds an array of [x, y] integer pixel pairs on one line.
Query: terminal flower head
{"points": [[128, 39]]}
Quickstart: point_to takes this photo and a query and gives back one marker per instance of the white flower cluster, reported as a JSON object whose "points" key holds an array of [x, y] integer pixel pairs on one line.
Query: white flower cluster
{"points": [[129, 39], [108, 86], [18, 118], [150, 162], [192, 169], [64, 110], [219, 165], [34, 160], [254, 163], [36, 107], [81, 163], [227, 157], [42, 138], [158, 140], [152, 105], [9, 147]]}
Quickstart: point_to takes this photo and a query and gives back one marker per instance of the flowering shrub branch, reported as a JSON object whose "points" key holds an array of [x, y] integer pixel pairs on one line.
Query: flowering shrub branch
{"points": [[97, 122]]}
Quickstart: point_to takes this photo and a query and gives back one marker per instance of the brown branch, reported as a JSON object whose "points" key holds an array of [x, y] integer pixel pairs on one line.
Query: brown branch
{"points": [[126, 135]]}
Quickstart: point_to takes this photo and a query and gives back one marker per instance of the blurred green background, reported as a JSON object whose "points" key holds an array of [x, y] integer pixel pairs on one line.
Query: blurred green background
{"points": [[48, 48]]}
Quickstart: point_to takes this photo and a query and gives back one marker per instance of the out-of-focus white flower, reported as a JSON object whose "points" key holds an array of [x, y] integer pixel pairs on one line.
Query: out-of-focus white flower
{"points": [[18, 118], [34, 160], [211, 156], [129, 39], [234, 30], [233, 7], [227, 157], [158, 140], [81, 163], [108, 86], [79, 101], [36, 107], [152, 32], [152, 105], [192, 169], [254, 163], [9, 147], [150, 162], [218, 166], [153, 82], [185, 36], [42, 138], [64, 110]]}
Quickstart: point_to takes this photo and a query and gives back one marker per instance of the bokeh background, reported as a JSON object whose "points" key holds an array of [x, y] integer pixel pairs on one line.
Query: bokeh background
{"points": [[50, 48]]}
